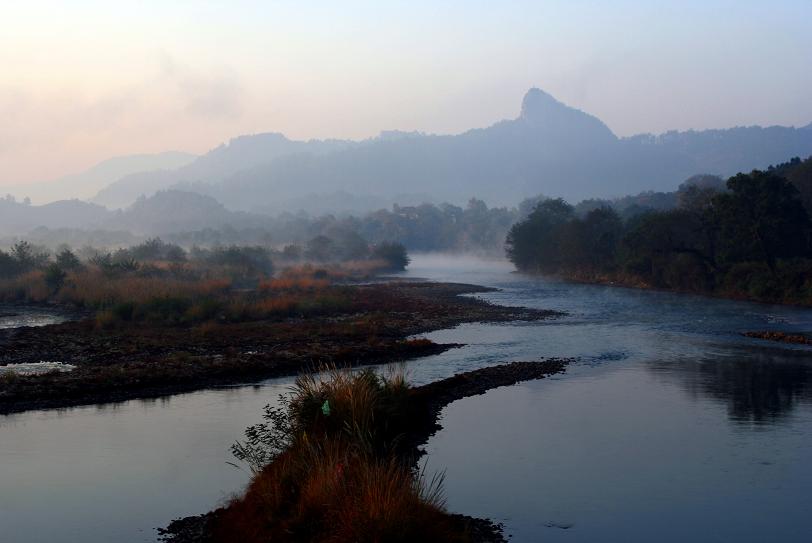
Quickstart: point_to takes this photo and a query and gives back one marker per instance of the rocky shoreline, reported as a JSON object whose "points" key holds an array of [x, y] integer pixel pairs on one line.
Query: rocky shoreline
{"points": [[427, 404], [148, 361]]}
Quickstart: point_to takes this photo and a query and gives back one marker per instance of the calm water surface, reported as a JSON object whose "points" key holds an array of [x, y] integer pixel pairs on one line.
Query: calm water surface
{"points": [[669, 427], [15, 316]]}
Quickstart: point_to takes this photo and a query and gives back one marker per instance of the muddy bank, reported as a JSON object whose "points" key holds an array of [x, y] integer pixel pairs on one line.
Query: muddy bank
{"points": [[781, 337], [142, 361], [197, 529], [426, 405], [430, 399]]}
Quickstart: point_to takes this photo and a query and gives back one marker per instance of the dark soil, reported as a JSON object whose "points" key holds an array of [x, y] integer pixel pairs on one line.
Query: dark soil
{"points": [[430, 399], [428, 402], [142, 360], [782, 337]]}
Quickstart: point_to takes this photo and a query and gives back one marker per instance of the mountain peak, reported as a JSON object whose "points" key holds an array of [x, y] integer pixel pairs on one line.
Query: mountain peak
{"points": [[544, 113], [537, 104]]}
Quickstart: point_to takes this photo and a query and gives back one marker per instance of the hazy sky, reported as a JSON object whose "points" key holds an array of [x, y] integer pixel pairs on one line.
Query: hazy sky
{"points": [[81, 81]]}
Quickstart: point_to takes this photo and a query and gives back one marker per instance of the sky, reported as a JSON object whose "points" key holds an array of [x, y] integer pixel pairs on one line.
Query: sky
{"points": [[83, 81]]}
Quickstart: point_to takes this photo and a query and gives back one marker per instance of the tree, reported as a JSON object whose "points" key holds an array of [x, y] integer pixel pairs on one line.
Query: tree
{"points": [[67, 260], [394, 254], [535, 243], [54, 277], [601, 232], [761, 218], [670, 249], [320, 249], [8, 265], [27, 256], [351, 246]]}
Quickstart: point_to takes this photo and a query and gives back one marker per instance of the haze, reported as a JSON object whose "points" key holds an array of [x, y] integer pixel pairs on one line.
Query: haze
{"points": [[85, 81]]}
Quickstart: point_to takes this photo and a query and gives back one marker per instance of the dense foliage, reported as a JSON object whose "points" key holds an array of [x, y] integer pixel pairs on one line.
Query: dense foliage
{"points": [[752, 240]]}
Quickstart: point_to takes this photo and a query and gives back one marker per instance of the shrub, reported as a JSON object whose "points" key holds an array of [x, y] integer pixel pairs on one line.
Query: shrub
{"points": [[393, 254], [325, 469]]}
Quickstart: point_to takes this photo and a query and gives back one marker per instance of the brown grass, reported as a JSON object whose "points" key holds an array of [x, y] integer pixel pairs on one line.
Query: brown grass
{"points": [[340, 479], [92, 288], [293, 283], [28, 287]]}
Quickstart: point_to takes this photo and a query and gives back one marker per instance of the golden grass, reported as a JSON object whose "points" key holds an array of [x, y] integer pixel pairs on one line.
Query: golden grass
{"points": [[338, 481], [93, 288]]}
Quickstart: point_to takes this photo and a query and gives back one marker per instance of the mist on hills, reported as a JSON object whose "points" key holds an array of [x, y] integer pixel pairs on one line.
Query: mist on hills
{"points": [[548, 148], [86, 184], [412, 186]]}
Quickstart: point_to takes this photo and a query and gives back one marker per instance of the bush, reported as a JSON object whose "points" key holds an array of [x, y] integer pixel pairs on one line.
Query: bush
{"points": [[393, 254], [325, 469]]}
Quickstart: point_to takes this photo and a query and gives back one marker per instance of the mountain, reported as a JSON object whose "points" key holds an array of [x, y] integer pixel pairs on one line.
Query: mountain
{"points": [[549, 148], [17, 218], [240, 153], [85, 184], [177, 211]]}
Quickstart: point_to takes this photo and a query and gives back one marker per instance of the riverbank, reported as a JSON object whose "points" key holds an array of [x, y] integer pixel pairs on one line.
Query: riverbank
{"points": [[780, 337], [634, 282], [420, 413], [143, 360]]}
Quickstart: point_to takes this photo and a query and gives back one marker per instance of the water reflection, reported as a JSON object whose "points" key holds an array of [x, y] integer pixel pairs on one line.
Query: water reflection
{"points": [[758, 385]]}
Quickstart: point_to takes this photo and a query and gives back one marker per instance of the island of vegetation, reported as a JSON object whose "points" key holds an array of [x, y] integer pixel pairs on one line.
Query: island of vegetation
{"points": [[336, 461]]}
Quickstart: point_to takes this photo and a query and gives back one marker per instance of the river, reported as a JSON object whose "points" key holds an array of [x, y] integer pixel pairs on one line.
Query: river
{"points": [[670, 426]]}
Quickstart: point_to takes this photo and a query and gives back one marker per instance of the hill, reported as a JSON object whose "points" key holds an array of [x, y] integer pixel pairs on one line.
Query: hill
{"points": [[175, 211], [241, 153], [19, 218], [550, 148], [85, 184]]}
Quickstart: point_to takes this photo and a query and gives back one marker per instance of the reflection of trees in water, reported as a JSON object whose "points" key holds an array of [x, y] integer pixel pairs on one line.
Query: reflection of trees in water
{"points": [[758, 385]]}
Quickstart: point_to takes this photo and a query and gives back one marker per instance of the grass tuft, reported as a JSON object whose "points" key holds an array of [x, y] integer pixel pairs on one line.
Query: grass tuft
{"points": [[327, 468]]}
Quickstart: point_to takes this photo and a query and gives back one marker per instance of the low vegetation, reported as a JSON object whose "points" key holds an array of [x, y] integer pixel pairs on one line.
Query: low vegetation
{"points": [[335, 461], [161, 283], [283, 326], [330, 465]]}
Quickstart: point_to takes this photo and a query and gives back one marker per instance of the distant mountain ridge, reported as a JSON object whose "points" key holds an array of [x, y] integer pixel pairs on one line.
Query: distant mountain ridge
{"points": [[85, 184], [549, 148], [241, 153], [19, 218]]}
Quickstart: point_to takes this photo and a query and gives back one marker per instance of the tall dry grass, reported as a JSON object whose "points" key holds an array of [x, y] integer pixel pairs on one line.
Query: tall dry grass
{"points": [[28, 287], [93, 288], [332, 470]]}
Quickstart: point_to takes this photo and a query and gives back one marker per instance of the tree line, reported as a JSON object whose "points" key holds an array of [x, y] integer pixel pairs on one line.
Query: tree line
{"points": [[751, 238]]}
